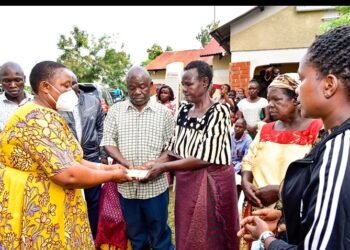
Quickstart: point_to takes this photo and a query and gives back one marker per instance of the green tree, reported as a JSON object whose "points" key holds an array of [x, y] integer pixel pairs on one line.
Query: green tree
{"points": [[28, 89], [204, 35], [94, 60], [153, 52], [344, 18]]}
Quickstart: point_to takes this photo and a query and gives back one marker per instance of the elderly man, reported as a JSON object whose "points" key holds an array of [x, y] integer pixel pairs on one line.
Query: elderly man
{"points": [[12, 79], [135, 132], [86, 123]]}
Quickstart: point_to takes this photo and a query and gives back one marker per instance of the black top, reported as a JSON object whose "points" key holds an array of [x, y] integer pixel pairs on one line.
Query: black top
{"points": [[316, 196]]}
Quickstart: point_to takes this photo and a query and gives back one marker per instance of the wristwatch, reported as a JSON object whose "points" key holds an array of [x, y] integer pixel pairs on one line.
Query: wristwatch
{"points": [[267, 234]]}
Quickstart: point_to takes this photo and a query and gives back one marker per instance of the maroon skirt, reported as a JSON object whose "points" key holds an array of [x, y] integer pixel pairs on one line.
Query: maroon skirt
{"points": [[206, 213]]}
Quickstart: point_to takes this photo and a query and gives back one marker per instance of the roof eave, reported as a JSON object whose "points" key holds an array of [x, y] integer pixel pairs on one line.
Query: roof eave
{"points": [[222, 33]]}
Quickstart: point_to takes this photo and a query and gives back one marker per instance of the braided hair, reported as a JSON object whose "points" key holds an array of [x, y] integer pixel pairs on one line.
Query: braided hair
{"points": [[330, 54]]}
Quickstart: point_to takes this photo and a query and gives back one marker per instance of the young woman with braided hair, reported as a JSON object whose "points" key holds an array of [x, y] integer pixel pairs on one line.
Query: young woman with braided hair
{"points": [[316, 191]]}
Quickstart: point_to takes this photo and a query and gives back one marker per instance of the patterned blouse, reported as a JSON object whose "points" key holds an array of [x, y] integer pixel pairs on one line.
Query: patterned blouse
{"points": [[272, 151], [206, 138]]}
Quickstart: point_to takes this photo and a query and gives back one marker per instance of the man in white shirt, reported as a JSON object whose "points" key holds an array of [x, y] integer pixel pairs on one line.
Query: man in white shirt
{"points": [[12, 79]]}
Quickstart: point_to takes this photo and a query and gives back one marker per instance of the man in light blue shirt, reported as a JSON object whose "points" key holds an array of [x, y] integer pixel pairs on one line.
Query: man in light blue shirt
{"points": [[240, 142]]}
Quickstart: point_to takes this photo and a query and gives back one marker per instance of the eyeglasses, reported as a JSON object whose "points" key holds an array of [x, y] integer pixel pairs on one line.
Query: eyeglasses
{"points": [[9, 81]]}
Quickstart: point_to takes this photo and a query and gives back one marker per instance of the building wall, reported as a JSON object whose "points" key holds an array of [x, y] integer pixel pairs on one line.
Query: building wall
{"points": [[158, 76], [266, 57], [239, 74], [283, 67], [277, 28], [221, 69]]}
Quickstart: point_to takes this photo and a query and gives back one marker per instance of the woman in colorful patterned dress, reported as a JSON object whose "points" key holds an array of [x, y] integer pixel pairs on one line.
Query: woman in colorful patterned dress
{"points": [[42, 170]]}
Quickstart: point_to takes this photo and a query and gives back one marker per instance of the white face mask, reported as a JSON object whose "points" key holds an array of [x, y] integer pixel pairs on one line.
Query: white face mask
{"points": [[66, 100]]}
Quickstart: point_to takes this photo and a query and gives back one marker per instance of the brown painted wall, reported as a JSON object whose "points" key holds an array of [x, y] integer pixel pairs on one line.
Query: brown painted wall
{"points": [[221, 68], [158, 76]]}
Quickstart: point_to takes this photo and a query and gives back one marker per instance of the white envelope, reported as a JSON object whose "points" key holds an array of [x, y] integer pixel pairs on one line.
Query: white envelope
{"points": [[137, 173]]}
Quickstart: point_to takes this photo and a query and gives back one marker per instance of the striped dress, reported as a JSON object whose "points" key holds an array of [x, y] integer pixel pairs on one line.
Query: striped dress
{"points": [[206, 138], [206, 214]]}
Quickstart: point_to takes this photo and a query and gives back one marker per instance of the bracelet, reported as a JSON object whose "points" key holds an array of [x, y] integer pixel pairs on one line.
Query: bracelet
{"points": [[98, 166], [265, 235]]}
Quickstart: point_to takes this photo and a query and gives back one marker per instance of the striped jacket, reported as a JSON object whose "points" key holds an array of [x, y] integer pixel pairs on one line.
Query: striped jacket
{"points": [[316, 196]]}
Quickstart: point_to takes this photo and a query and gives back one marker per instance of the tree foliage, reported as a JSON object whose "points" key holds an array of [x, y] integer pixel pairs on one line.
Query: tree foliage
{"points": [[204, 35], [344, 18], [94, 60], [153, 52]]}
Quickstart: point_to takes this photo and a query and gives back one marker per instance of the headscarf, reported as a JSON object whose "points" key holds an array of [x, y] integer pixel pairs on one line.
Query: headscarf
{"points": [[286, 81]]}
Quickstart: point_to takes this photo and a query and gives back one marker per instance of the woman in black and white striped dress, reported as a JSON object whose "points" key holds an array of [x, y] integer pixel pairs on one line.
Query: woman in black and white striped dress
{"points": [[206, 214]]}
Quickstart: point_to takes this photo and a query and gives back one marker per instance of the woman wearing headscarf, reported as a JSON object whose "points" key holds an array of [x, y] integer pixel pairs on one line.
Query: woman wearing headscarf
{"points": [[276, 145]]}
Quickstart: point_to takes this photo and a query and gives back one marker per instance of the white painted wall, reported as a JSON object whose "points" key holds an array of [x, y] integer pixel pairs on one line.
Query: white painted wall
{"points": [[221, 76], [265, 57]]}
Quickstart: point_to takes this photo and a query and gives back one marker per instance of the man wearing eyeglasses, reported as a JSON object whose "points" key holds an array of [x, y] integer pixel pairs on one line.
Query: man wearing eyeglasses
{"points": [[12, 79]]}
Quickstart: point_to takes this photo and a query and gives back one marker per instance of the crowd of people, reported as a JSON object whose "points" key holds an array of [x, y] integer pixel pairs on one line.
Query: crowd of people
{"points": [[68, 170]]}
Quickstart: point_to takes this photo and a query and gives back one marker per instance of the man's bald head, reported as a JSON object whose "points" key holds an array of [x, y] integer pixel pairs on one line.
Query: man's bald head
{"points": [[139, 72], [138, 82], [12, 79], [11, 66]]}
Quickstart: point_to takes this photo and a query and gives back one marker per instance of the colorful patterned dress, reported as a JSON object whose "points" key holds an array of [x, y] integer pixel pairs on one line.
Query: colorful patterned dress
{"points": [[36, 213]]}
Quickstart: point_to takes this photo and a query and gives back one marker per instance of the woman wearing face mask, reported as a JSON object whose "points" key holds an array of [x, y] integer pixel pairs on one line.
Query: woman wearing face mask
{"points": [[42, 170]]}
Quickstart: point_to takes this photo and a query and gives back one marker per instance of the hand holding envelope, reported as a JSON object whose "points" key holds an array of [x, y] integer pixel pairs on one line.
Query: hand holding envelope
{"points": [[141, 172], [137, 173]]}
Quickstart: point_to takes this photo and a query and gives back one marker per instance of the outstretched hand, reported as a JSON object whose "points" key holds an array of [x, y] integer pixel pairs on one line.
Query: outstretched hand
{"points": [[270, 216], [147, 165], [251, 228], [120, 175], [249, 192], [114, 167], [154, 170], [268, 194]]}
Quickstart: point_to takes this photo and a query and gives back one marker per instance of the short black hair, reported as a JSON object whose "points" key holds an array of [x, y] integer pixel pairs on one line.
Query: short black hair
{"points": [[290, 93], [203, 68], [43, 71], [254, 81], [330, 54], [172, 97], [227, 86], [232, 93]]}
